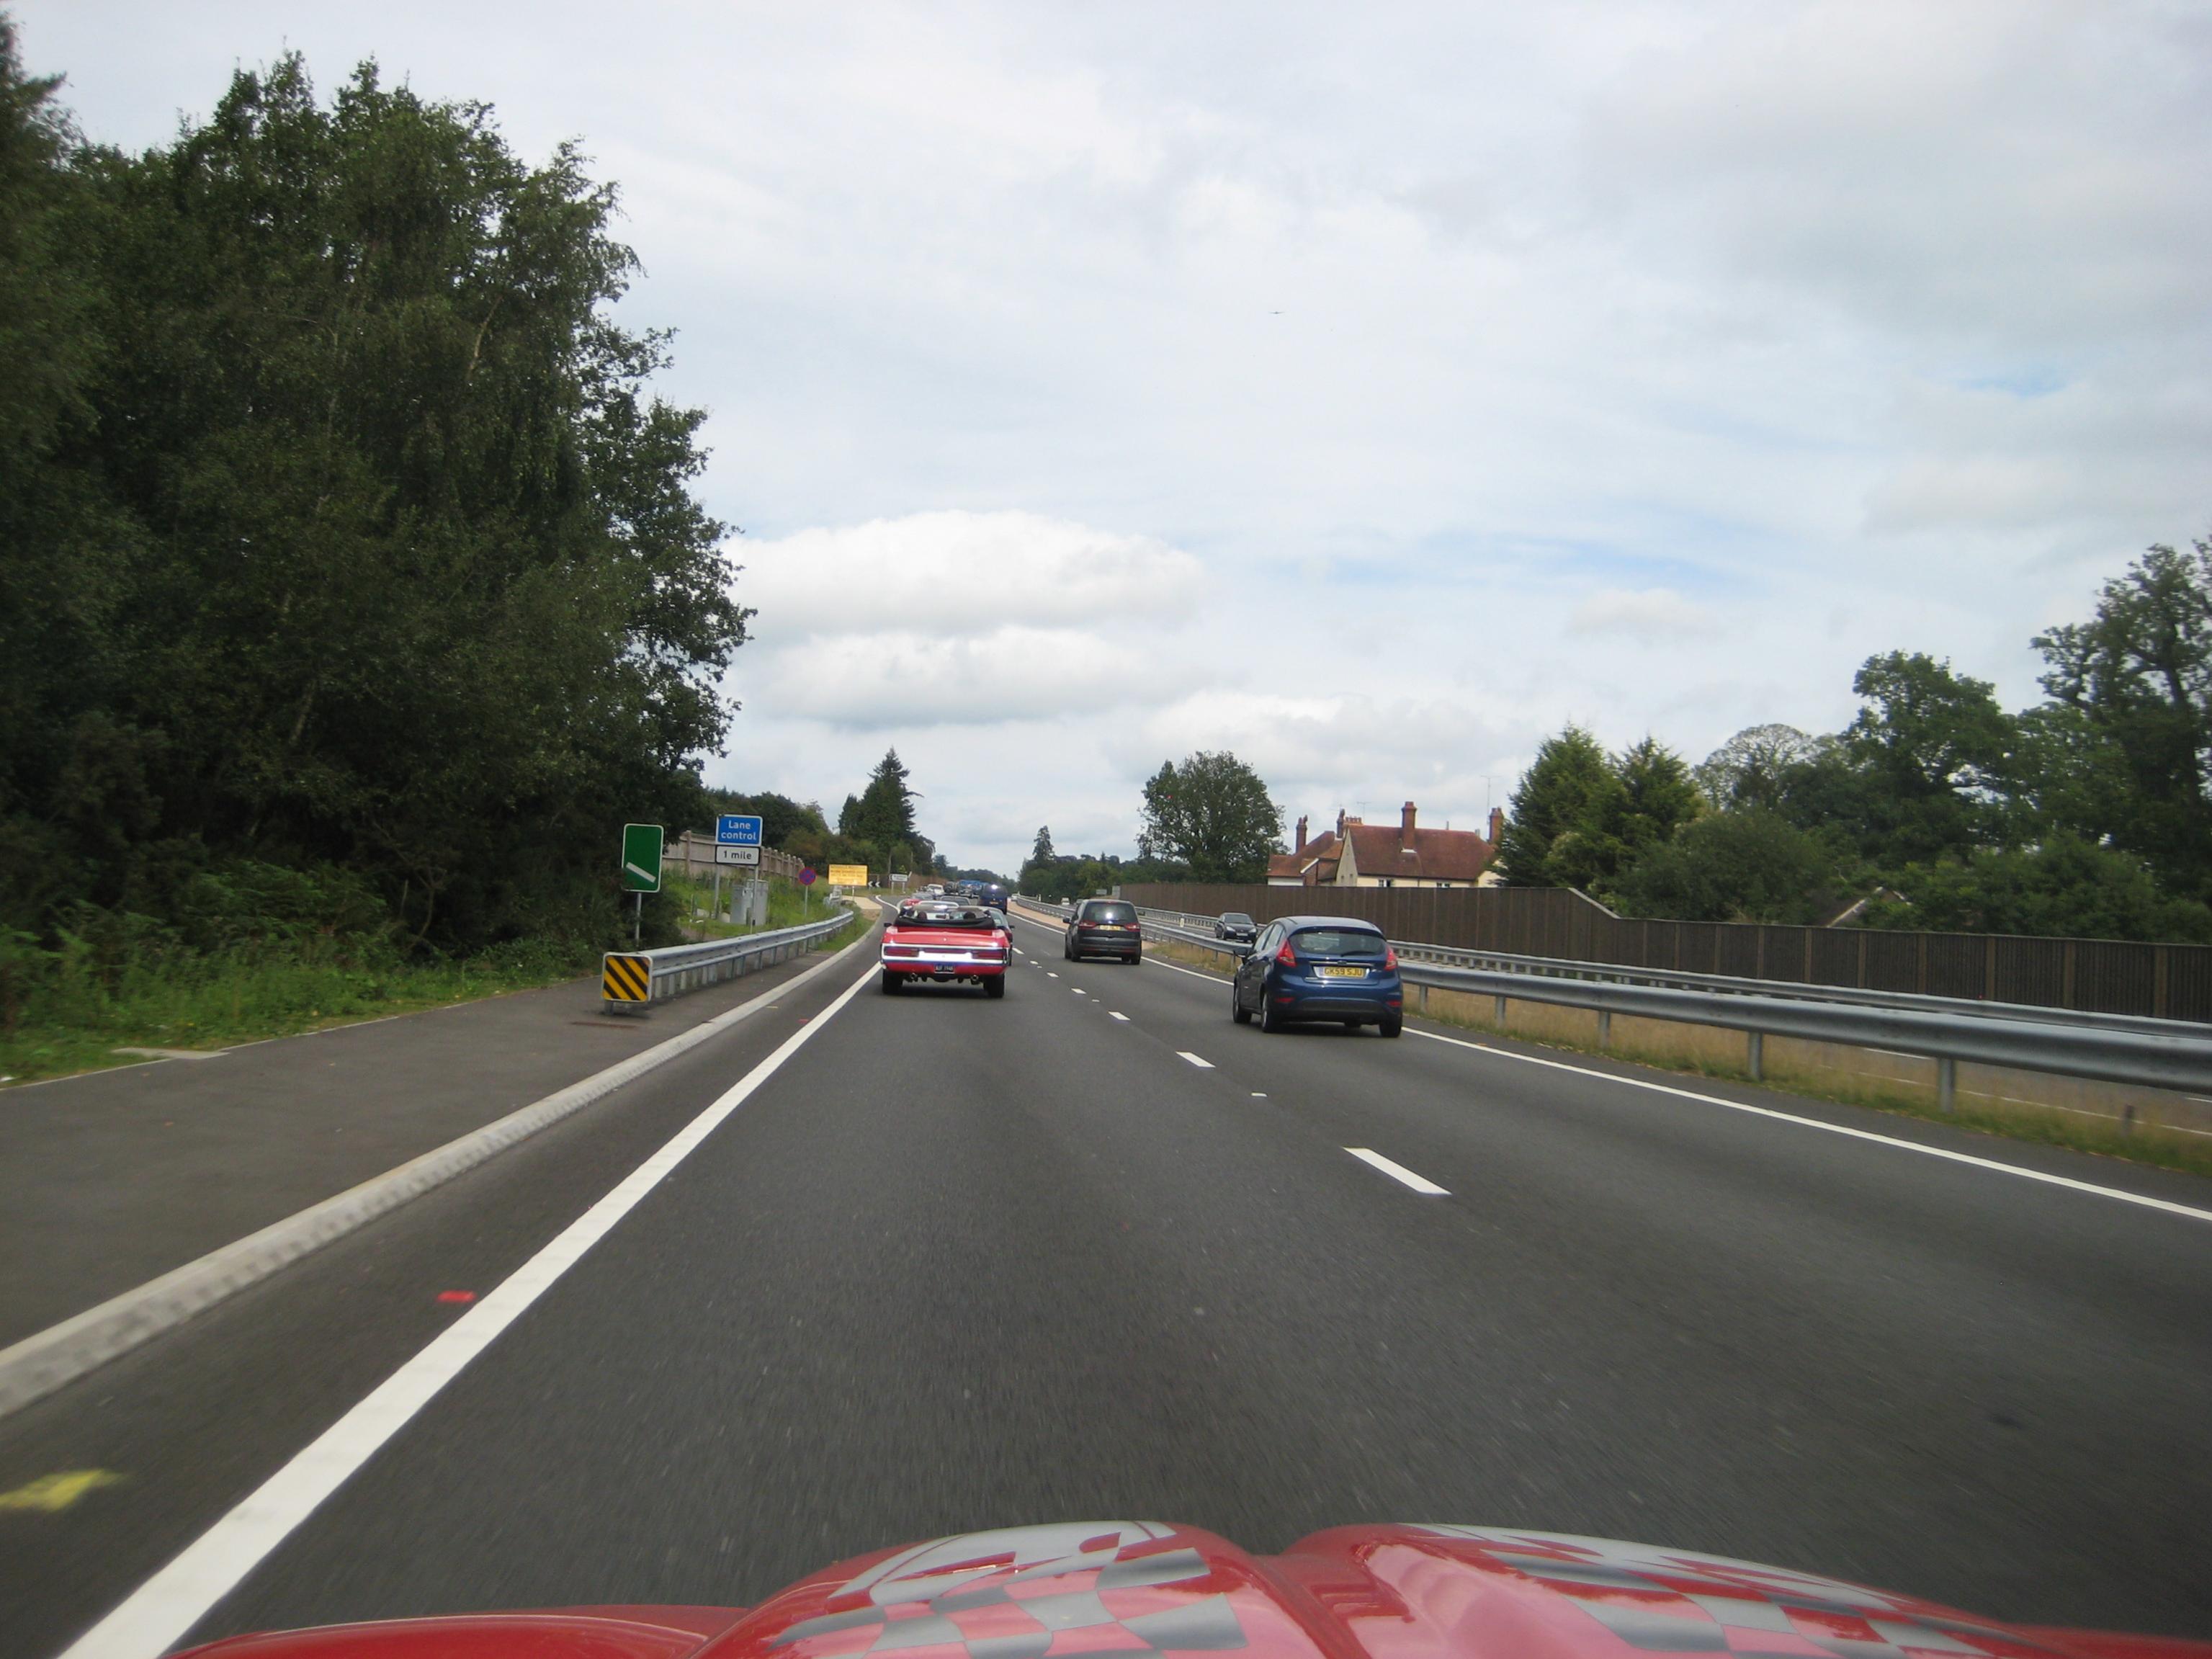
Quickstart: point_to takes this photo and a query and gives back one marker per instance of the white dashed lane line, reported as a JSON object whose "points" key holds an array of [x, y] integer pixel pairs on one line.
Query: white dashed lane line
{"points": [[1078, 990], [1421, 1184], [1202, 1065], [1048, 974], [1124, 1018]]}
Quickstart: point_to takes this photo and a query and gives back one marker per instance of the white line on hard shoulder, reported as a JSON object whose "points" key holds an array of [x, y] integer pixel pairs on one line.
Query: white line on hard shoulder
{"points": [[156, 1615], [1943, 1152], [1421, 1184], [1124, 1018], [1202, 1065]]}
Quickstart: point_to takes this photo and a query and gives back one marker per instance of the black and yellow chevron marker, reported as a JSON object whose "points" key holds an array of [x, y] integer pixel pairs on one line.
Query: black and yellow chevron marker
{"points": [[626, 979]]}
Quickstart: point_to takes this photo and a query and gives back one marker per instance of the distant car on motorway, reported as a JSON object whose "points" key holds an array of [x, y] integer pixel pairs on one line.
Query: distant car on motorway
{"points": [[1236, 924], [1320, 968], [1103, 928], [936, 942]]}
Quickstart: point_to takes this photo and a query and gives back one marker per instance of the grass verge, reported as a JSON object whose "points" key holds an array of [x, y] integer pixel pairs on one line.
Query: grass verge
{"points": [[218, 1001]]}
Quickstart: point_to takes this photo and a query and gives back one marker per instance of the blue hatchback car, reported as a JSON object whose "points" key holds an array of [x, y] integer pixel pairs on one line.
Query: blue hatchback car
{"points": [[1320, 968]]}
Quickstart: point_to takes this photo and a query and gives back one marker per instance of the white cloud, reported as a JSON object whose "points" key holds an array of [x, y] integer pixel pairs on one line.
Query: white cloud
{"points": [[1369, 394], [957, 570], [971, 674], [1656, 614]]}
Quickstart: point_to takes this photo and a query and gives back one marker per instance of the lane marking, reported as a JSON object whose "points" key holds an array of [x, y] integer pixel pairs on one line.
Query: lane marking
{"points": [[1048, 974], [1078, 990], [1421, 1184], [1173, 967], [1256, 1095], [1124, 1018], [155, 1616], [1943, 1152], [50, 1494], [1202, 1065]]}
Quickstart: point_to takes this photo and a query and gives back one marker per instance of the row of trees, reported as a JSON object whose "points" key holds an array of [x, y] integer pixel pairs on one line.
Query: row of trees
{"points": [[876, 827], [1208, 818], [2087, 815], [341, 533]]}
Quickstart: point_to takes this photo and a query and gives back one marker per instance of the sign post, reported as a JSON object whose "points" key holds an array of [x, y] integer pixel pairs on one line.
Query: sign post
{"points": [[641, 865], [806, 881]]}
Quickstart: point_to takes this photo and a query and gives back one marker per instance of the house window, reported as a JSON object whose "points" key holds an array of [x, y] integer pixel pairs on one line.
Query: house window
{"points": [[1385, 881]]}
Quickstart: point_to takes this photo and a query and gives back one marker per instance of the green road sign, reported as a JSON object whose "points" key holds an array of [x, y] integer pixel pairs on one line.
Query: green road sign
{"points": [[641, 858]]}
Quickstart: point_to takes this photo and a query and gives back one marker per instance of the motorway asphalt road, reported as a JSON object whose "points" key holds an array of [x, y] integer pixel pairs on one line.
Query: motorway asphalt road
{"points": [[964, 1263], [111, 1178]]}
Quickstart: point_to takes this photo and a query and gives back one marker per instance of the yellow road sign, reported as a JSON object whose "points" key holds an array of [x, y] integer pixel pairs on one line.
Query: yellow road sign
{"points": [[626, 978], [849, 875]]}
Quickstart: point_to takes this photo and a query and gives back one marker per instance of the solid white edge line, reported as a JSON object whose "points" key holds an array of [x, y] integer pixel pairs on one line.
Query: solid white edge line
{"points": [[158, 1613], [1202, 1065], [1943, 1152], [1396, 1172]]}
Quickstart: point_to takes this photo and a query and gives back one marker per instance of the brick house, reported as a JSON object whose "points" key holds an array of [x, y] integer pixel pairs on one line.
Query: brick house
{"points": [[1356, 854]]}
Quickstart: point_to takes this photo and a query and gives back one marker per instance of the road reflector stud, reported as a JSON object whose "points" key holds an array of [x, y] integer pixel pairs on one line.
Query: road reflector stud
{"points": [[626, 978]]}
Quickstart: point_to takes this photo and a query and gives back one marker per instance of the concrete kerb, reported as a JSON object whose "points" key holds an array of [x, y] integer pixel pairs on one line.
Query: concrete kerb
{"points": [[38, 1365]]}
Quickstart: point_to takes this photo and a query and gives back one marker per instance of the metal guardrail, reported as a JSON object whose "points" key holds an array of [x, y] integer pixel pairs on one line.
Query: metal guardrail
{"points": [[1794, 990], [629, 979], [2173, 1055]]}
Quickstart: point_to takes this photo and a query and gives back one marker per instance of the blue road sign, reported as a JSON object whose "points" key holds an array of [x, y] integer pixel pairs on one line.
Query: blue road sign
{"points": [[736, 830]]}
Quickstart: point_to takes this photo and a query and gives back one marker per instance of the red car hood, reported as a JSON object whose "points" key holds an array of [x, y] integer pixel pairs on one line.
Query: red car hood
{"points": [[1142, 1589]]}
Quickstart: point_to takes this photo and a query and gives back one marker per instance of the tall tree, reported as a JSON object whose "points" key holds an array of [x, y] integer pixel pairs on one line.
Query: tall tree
{"points": [[401, 566], [2126, 745], [1749, 769], [883, 814], [1563, 788], [1041, 852], [1212, 813], [1934, 751]]}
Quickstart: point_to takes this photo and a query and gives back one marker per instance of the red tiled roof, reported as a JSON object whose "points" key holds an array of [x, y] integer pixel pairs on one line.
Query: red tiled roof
{"points": [[1322, 849], [1434, 855]]}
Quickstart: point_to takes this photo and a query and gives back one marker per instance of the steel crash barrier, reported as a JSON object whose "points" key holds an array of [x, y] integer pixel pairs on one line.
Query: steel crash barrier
{"points": [[2107, 1049], [629, 979]]}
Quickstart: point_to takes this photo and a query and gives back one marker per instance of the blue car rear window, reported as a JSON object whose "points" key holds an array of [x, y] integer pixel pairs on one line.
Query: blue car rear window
{"points": [[1337, 942]]}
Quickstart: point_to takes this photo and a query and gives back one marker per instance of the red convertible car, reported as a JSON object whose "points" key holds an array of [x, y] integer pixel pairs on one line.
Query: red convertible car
{"points": [[1143, 1589], [946, 945]]}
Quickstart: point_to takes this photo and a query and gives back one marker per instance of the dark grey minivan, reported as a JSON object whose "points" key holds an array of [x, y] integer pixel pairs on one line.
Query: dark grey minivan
{"points": [[1103, 928]]}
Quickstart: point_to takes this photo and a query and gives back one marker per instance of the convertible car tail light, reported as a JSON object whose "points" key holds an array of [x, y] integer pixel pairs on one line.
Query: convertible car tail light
{"points": [[901, 951]]}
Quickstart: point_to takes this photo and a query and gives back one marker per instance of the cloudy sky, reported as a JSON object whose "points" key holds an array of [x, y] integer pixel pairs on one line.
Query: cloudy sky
{"points": [[1368, 390]]}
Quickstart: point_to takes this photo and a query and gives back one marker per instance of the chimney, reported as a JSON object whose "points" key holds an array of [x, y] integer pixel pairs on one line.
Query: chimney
{"points": [[1497, 826], [1301, 846], [1405, 825]]}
